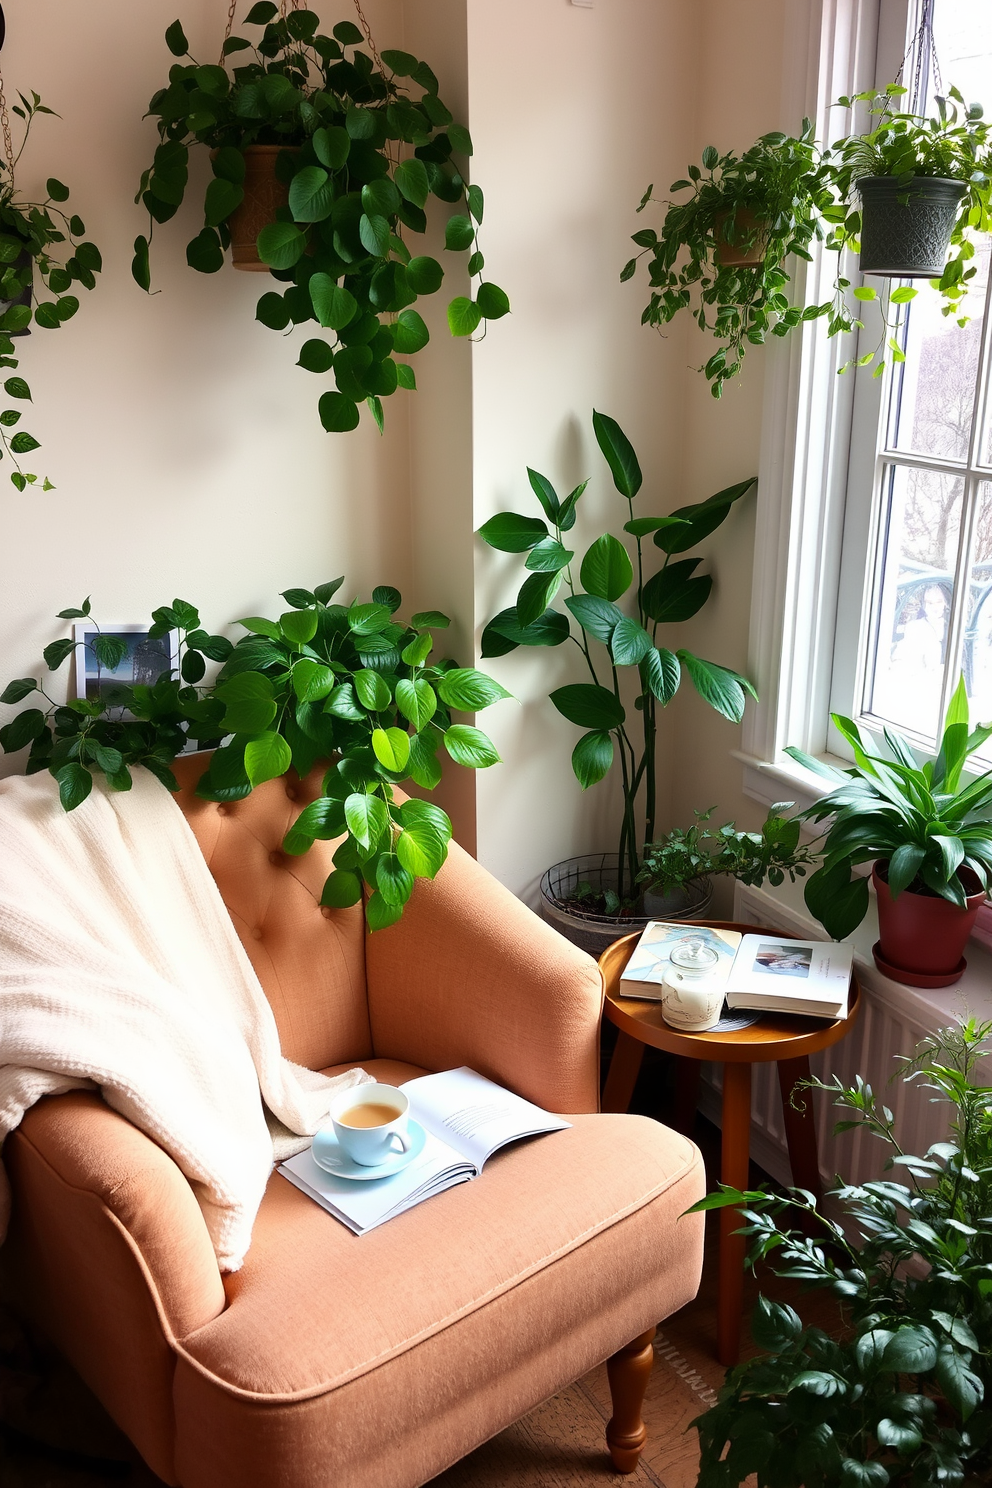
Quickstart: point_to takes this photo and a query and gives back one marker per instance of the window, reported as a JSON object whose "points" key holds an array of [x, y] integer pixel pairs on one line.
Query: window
{"points": [[916, 577]]}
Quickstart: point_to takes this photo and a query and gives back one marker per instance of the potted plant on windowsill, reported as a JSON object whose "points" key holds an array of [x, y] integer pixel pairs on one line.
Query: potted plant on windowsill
{"points": [[594, 900], [677, 868], [722, 251], [344, 684], [928, 833], [923, 185], [356, 158], [898, 1393]]}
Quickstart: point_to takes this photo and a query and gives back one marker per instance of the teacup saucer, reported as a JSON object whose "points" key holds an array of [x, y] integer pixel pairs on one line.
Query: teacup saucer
{"points": [[329, 1155]]}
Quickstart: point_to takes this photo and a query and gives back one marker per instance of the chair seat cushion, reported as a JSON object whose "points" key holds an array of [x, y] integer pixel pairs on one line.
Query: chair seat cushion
{"points": [[392, 1354]]}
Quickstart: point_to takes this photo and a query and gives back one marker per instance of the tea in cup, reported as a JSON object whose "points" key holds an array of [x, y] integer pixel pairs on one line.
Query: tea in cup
{"points": [[370, 1123]]}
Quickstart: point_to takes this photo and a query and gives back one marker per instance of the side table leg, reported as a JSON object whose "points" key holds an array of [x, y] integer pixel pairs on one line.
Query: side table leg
{"points": [[800, 1127], [625, 1066], [735, 1154], [687, 1079]]}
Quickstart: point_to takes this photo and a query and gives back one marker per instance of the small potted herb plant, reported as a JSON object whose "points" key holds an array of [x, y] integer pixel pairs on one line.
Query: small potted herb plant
{"points": [[923, 185], [592, 901], [323, 161], [39, 242], [348, 685], [721, 252], [899, 1392], [928, 832], [676, 869]]}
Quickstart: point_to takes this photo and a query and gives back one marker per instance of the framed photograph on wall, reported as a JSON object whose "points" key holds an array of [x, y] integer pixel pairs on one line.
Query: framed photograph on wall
{"points": [[143, 659]]}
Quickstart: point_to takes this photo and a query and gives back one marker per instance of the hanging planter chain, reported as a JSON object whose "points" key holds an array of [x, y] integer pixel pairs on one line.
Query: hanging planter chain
{"points": [[924, 45], [293, 5]]}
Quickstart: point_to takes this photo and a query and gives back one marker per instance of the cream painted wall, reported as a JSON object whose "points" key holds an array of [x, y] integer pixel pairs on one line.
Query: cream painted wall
{"points": [[573, 111]]}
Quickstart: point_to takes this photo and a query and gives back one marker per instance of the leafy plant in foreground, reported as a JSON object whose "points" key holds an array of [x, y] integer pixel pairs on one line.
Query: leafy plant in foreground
{"points": [[362, 158], [346, 685], [30, 233], [919, 818], [674, 593], [900, 1396]]}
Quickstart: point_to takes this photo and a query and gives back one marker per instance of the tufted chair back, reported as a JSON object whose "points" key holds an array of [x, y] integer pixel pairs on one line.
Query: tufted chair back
{"points": [[310, 960]]}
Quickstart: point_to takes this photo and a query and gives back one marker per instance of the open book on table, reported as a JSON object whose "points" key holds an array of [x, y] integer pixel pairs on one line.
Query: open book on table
{"points": [[466, 1119], [764, 972]]}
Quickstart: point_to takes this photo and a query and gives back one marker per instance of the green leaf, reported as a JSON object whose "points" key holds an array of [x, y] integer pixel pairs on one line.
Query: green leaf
{"points": [[465, 688], [504, 633], [903, 1437], [904, 865], [394, 882], [367, 818], [374, 234], [536, 593], [311, 194], [380, 914], [23, 729], [315, 356], [673, 595], [470, 747], [661, 673], [298, 626], [281, 245], [273, 311], [422, 845], [75, 784], [459, 233], [417, 652], [464, 316], [175, 40], [433, 618], [140, 271], [774, 1326], [549, 557], [589, 706], [341, 889], [423, 767], [221, 199], [348, 34], [258, 625], [373, 690], [334, 306], [267, 757], [703, 518], [204, 253], [716, 685], [911, 1350], [23, 444], [391, 748], [249, 703], [312, 680], [56, 652], [606, 568], [416, 700], [592, 757], [406, 377], [410, 333], [619, 454], [629, 643], [338, 414], [476, 202], [597, 616], [961, 1385], [511, 533], [837, 900], [229, 163], [109, 650], [16, 387], [411, 178], [424, 276], [17, 690], [460, 139], [331, 146], [492, 301]]}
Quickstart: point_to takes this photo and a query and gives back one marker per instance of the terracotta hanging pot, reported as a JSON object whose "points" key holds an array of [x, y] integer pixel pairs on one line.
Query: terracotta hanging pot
{"points": [[921, 937], [750, 239], [264, 194], [906, 229]]}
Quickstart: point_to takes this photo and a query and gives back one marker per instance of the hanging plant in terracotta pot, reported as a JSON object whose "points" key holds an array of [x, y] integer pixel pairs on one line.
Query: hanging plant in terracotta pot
{"points": [[324, 157], [929, 834]]}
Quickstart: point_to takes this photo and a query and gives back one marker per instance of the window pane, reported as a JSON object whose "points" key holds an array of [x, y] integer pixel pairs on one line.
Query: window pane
{"points": [[919, 540], [932, 401], [978, 630]]}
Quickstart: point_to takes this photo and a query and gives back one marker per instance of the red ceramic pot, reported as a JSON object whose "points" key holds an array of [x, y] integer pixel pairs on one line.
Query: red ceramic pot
{"points": [[922, 936]]}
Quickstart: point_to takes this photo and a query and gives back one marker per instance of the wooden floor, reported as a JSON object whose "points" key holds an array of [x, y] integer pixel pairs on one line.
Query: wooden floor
{"points": [[53, 1434]]}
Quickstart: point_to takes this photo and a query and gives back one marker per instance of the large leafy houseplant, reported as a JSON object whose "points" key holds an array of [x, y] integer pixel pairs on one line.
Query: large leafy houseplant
{"points": [[900, 1394], [362, 157], [39, 242], [926, 821], [613, 728], [344, 684], [679, 857]]}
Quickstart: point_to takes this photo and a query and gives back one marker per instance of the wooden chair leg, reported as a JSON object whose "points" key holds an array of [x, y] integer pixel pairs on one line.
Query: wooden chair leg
{"points": [[628, 1372]]}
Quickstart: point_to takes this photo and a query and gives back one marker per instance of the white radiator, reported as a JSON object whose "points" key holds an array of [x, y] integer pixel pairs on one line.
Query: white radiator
{"points": [[892, 1021]]}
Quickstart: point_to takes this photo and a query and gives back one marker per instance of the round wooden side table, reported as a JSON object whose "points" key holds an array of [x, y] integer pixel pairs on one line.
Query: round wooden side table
{"points": [[789, 1040]]}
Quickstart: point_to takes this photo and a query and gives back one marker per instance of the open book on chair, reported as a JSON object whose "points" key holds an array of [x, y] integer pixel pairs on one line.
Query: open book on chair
{"points": [[466, 1119]]}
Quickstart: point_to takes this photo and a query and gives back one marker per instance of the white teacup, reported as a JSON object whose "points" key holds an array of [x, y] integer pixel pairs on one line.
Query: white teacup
{"points": [[370, 1123]]}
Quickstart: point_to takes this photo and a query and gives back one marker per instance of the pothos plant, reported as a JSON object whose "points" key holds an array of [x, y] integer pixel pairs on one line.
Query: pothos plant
{"points": [[367, 147], [899, 1393], [349, 685], [30, 237], [631, 643]]}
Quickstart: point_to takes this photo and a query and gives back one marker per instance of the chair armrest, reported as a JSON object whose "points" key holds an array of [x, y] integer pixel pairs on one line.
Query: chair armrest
{"points": [[471, 976], [84, 1180]]}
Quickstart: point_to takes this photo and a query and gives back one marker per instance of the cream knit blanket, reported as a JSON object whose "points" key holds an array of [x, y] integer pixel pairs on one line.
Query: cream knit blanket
{"points": [[120, 968]]}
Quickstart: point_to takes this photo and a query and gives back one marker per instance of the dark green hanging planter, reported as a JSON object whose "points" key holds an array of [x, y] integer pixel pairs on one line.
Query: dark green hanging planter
{"points": [[906, 226]]}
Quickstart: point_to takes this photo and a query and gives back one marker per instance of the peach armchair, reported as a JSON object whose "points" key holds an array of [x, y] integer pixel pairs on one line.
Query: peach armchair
{"points": [[373, 1362]]}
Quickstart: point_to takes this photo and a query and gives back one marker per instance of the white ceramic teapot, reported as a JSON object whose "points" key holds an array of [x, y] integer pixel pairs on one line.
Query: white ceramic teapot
{"points": [[692, 990]]}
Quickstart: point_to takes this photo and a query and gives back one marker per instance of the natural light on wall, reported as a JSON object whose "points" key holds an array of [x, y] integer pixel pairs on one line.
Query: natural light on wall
{"points": [[930, 614]]}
